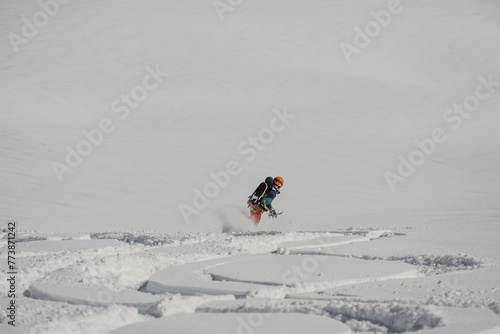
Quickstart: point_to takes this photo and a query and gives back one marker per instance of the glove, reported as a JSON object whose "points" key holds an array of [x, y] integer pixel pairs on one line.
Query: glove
{"points": [[273, 214]]}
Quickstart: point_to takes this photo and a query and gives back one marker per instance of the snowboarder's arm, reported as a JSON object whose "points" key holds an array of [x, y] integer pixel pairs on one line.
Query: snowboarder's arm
{"points": [[268, 199]]}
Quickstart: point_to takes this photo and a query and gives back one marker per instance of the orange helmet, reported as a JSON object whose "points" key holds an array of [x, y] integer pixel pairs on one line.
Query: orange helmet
{"points": [[278, 181]]}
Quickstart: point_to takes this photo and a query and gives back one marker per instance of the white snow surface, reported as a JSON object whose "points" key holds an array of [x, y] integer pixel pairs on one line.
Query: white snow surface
{"points": [[105, 246], [239, 323], [147, 279], [279, 270]]}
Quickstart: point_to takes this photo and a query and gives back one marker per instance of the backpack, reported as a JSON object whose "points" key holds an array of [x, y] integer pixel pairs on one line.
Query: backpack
{"points": [[260, 191]]}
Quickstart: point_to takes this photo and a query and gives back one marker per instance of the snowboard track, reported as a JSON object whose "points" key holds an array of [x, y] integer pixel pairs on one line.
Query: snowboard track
{"points": [[393, 316], [361, 317]]}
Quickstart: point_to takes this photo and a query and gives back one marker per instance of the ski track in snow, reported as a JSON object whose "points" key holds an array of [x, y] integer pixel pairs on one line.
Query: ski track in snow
{"points": [[109, 276]]}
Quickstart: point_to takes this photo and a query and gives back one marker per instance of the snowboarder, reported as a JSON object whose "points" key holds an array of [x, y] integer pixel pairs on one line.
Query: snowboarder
{"points": [[260, 200]]}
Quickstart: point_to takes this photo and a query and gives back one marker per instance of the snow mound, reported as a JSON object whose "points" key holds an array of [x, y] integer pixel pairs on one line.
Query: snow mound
{"points": [[191, 279], [359, 316], [144, 302], [178, 250], [78, 319], [251, 241], [176, 303], [466, 320], [239, 275], [438, 264], [300, 271], [325, 243], [395, 317], [147, 238], [464, 289], [429, 264], [433, 264], [257, 323], [39, 246]]}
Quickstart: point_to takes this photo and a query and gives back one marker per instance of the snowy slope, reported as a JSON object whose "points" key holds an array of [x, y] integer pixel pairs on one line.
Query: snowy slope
{"points": [[351, 123], [392, 146]]}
